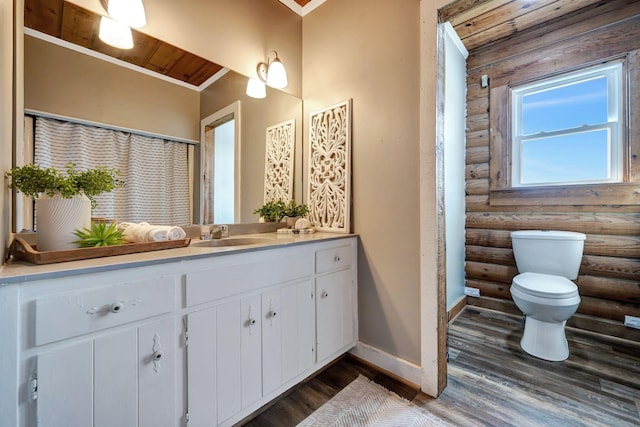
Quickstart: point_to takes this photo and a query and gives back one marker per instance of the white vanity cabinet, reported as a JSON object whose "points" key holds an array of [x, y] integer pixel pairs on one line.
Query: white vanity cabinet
{"points": [[101, 356], [199, 341], [335, 325], [256, 335]]}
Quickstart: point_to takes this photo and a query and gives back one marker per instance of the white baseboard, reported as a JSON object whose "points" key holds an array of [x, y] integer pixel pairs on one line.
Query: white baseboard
{"points": [[402, 368]]}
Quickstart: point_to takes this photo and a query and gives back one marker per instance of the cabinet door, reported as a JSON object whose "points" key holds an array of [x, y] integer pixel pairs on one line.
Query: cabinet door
{"points": [[157, 344], [115, 365], [272, 322], [298, 321], [251, 350], [65, 387], [201, 368], [123, 378], [239, 355], [334, 313], [287, 334], [229, 323]]}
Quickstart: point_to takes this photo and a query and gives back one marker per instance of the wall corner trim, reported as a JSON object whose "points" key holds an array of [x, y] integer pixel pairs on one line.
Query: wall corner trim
{"points": [[403, 368]]}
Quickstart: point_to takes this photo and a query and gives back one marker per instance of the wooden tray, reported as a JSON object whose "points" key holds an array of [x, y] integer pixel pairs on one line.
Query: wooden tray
{"points": [[22, 250]]}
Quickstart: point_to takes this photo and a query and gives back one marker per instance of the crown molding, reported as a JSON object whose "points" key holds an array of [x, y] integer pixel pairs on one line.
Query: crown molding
{"points": [[300, 10]]}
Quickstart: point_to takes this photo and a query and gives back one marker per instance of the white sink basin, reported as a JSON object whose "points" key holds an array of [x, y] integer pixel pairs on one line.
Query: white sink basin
{"points": [[231, 241]]}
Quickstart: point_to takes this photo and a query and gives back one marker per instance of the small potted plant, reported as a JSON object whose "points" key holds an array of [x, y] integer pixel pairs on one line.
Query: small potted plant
{"points": [[292, 212], [64, 201], [275, 211], [272, 211]]}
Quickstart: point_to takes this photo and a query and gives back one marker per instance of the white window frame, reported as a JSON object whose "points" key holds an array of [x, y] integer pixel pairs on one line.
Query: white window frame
{"points": [[613, 72]]}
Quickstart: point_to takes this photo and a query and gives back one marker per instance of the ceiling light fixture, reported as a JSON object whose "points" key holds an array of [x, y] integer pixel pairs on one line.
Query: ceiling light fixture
{"points": [[115, 34], [273, 73], [256, 89], [128, 12]]}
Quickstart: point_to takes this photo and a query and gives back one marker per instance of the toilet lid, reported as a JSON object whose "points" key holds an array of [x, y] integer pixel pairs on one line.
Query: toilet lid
{"points": [[545, 285]]}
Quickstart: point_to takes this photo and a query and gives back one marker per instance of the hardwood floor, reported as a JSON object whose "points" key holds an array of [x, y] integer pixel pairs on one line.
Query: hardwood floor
{"points": [[492, 382]]}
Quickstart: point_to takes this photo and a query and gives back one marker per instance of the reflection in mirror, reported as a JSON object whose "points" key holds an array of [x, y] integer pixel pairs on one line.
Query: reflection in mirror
{"points": [[257, 115], [220, 166], [67, 83]]}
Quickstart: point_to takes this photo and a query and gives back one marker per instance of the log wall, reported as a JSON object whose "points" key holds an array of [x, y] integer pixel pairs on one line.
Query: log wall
{"points": [[609, 278]]}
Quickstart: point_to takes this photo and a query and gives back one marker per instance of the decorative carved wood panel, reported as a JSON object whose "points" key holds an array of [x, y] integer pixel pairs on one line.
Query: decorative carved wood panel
{"points": [[278, 164], [329, 180]]}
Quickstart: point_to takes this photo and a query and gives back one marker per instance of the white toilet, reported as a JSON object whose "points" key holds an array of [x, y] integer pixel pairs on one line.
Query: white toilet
{"points": [[544, 292]]}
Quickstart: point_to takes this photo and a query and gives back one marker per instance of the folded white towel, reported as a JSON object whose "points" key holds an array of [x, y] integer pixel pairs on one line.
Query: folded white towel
{"points": [[145, 232], [176, 233]]}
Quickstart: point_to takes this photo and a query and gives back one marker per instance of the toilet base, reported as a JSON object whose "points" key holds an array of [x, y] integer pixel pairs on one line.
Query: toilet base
{"points": [[545, 340]]}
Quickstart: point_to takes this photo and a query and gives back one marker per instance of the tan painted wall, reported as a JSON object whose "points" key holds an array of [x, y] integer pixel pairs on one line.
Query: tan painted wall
{"points": [[369, 50], [256, 115], [6, 114], [68, 83], [237, 34]]}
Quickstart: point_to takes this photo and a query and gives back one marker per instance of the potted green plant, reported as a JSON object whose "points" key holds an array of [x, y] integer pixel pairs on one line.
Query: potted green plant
{"points": [[64, 201], [272, 211], [275, 211]]}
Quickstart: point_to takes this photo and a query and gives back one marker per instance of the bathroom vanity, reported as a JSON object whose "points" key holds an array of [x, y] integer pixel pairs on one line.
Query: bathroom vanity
{"points": [[196, 336]]}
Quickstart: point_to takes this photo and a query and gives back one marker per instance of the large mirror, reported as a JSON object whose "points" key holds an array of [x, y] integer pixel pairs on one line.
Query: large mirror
{"points": [[61, 81]]}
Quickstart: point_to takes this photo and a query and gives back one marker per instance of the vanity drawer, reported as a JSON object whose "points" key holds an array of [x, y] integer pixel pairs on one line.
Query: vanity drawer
{"points": [[278, 266], [333, 258], [64, 316]]}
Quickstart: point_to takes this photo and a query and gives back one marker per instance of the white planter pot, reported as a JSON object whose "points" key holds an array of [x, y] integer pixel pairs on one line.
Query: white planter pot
{"points": [[58, 217]]}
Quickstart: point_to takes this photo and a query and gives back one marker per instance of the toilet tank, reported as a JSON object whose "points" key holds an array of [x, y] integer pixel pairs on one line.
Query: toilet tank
{"points": [[548, 252]]}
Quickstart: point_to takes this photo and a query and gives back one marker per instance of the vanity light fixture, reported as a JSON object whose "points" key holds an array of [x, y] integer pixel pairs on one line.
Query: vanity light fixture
{"points": [[128, 12], [115, 33], [273, 73], [256, 89]]}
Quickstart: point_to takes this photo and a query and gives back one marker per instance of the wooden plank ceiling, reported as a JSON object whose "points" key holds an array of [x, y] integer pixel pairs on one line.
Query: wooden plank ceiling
{"points": [[480, 22], [79, 26]]}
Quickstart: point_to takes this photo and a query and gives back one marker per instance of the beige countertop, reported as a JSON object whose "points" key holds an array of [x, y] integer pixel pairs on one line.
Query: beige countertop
{"points": [[19, 271]]}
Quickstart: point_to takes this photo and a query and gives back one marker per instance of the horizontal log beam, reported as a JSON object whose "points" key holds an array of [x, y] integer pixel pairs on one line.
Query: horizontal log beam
{"points": [[493, 238], [478, 122], [604, 224], [477, 171], [490, 255], [478, 138], [477, 155], [477, 186], [608, 309], [595, 244], [608, 288], [490, 289], [480, 204], [621, 268], [490, 272], [587, 20]]}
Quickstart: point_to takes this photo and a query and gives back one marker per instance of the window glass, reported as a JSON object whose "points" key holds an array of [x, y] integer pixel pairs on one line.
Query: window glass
{"points": [[565, 107], [572, 157], [566, 128]]}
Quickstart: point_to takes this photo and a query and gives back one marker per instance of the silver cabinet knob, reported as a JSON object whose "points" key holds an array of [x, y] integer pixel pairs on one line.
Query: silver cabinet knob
{"points": [[252, 321], [336, 258], [325, 294], [158, 355], [273, 314]]}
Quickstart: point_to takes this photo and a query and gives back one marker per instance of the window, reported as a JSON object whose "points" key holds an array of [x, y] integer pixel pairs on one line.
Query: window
{"points": [[565, 133], [567, 129]]}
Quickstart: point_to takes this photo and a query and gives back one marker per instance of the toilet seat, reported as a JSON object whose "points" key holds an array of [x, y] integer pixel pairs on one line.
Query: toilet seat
{"points": [[545, 285]]}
